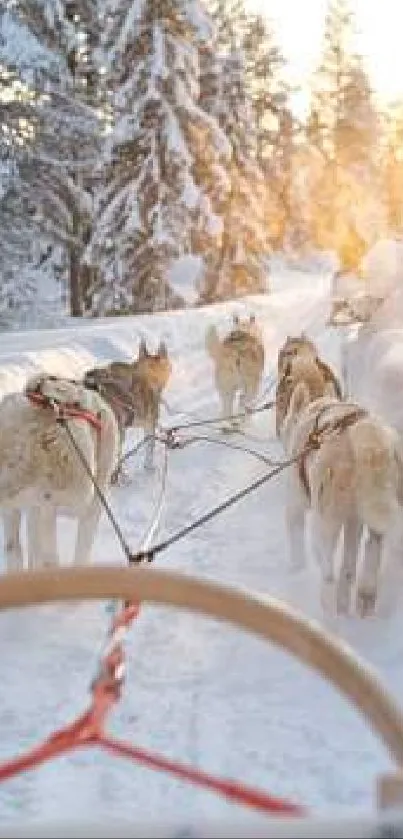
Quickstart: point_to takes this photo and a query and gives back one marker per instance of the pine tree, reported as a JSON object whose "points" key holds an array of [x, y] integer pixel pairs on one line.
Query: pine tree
{"points": [[17, 230], [164, 154], [60, 158], [245, 239], [357, 126], [267, 88], [230, 19], [334, 71], [344, 125]]}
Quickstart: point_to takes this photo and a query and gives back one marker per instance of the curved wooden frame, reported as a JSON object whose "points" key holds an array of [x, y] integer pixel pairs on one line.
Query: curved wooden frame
{"points": [[269, 619]]}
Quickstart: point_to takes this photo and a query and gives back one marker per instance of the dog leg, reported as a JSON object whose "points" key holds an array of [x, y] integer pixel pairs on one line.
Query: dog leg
{"points": [[34, 538], [49, 534], [149, 457], [118, 471], [296, 509], [227, 409], [246, 400], [12, 540], [108, 443], [348, 569], [42, 537], [325, 534], [249, 397], [87, 525], [367, 589], [243, 408], [149, 461], [150, 430]]}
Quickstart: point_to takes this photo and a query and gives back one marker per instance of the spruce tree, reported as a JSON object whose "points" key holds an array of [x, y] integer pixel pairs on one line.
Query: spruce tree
{"points": [[165, 154]]}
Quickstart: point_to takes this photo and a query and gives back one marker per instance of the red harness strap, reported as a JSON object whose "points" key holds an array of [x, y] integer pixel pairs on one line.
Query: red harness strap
{"points": [[65, 410]]}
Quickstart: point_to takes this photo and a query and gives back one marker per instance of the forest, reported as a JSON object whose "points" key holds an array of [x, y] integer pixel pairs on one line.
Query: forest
{"points": [[137, 133]]}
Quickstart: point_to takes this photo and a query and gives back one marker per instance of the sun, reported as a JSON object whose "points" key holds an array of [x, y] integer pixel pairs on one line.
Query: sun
{"points": [[299, 29]]}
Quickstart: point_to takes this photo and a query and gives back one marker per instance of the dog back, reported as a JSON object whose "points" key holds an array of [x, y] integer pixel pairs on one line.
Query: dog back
{"points": [[245, 351], [129, 395], [316, 375]]}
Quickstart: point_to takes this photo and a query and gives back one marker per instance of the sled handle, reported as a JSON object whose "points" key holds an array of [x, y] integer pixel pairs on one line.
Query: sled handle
{"points": [[267, 618]]}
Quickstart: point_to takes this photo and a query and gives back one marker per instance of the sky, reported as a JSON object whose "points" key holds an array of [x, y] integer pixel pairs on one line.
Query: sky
{"points": [[299, 25]]}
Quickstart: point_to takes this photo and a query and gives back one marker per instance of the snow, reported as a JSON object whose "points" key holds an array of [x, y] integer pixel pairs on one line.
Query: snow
{"points": [[19, 47], [382, 266], [195, 690], [132, 19], [186, 275]]}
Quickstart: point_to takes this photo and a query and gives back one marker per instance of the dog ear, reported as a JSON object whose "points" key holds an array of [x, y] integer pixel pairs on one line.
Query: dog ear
{"points": [[162, 349], [143, 349]]}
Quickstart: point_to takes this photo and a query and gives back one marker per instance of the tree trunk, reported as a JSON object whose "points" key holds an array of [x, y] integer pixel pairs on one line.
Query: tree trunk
{"points": [[75, 282]]}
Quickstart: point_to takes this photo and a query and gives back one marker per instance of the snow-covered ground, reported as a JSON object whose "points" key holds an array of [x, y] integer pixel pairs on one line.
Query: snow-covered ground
{"points": [[196, 690]]}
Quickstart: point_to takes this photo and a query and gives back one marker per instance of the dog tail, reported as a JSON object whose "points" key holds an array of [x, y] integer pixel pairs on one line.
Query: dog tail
{"points": [[374, 451], [212, 341]]}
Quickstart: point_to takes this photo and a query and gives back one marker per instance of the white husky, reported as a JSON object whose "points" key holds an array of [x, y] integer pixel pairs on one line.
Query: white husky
{"points": [[373, 350], [41, 471], [351, 480]]}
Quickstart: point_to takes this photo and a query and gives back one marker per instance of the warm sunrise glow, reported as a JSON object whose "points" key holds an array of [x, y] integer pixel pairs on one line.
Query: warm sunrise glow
{"points": [[299, 26]]}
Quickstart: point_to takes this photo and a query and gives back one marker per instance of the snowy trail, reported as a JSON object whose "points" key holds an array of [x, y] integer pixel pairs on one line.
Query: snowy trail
{"points": [[195, 690]]}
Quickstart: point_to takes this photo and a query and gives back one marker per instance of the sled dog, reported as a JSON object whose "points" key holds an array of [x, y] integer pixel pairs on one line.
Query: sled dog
{"points": [[294, 345], [41, 471], [238, 365], [134, 391], [350, 477], [299, 361]]}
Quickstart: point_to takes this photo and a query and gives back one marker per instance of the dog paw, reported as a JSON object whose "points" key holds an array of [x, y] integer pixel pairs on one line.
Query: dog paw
{"points": [[366, 602]]}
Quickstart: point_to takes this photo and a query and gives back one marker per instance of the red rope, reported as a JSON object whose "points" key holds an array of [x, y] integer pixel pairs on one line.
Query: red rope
{"points": [[89, 730], [239, 793], [66, 410]]}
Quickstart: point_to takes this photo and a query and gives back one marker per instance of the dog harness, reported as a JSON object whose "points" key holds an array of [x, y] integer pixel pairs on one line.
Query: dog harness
{"points": [[315, 438], [64, 410], [282, 390]]}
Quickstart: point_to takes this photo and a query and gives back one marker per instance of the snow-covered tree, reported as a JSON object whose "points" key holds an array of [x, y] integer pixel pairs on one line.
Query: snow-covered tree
{"points": [[344, 126], [268, 90], [240, 267], [333, 72], [163, 154], [59, 159], [357, 127], [230, 21]]}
